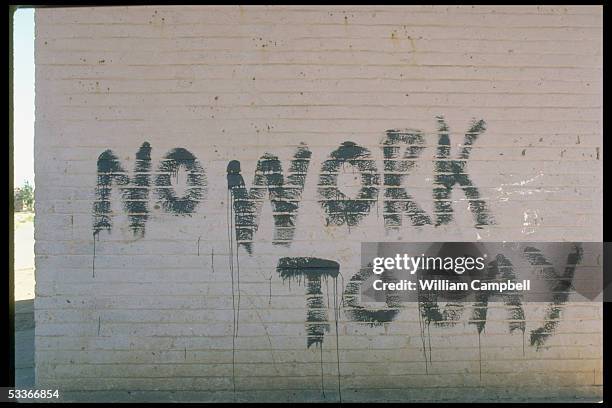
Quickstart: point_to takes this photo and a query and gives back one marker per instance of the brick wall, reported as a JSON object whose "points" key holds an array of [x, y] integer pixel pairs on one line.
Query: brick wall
{"points": [[150, 284]]}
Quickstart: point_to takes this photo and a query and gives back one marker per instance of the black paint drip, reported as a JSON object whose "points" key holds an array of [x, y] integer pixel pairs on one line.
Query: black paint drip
{"points": [[93, 261], [501, 269], [231, 268], [212, 260], [422, 335], [336, 318]]}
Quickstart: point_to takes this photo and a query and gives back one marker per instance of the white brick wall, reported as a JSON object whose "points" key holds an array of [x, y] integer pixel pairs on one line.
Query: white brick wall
{"points": [[154, 320]]}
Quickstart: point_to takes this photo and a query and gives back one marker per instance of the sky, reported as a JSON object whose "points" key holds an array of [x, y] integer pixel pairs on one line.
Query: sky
{"points": [[23, 91]]}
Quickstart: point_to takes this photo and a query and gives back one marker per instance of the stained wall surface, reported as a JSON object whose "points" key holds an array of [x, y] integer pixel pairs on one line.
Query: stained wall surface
{"points": [[183, 154]]}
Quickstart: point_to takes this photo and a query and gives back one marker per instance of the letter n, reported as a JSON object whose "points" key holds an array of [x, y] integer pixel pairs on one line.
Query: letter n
{"points": [[135, 198]]}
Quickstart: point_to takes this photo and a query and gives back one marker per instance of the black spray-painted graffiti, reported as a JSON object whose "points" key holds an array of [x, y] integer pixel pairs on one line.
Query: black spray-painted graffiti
{"points": [[400, 149], [196, 182], [355, 312], [560, 286], [501, 269], [397, 167], [450, 172], [340, 209], [135, 190], [285, 193], [135, 199], [313, 271]]}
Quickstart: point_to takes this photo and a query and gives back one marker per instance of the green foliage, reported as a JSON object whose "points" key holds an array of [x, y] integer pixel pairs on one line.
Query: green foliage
{"points": [[25, 196]]}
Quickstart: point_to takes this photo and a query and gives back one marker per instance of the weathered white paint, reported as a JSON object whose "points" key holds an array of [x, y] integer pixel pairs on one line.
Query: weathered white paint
{"points": [[232, 83]]}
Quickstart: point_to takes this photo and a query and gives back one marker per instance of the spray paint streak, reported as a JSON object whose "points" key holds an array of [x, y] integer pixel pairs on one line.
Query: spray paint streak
{"points": [[231, 268], [479, 358], [429, 312], [212, 260], [284, 196], [235, 299], [93, 261], [429, 341], [501, 270], [422, 328], [479, 314], [450, 315], [560, 288], [422, 333], [238, 290], [336, 317], [356, 312], [339, 209], [312, 270], [230, 234], [451, 172], [327, 291], [396, 199], [234, 181], [265, 327], [322, 374], [196, 182]]}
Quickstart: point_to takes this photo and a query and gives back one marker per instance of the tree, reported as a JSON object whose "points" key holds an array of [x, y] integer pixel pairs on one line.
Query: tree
{"points": [[25, 194]]}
